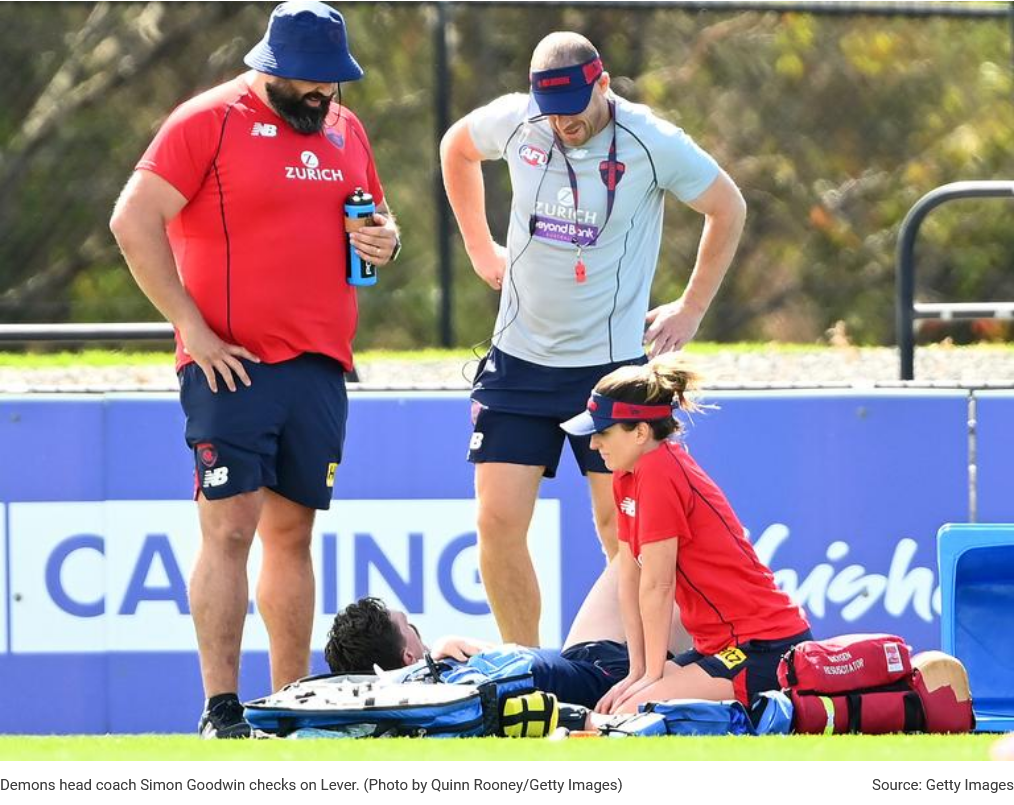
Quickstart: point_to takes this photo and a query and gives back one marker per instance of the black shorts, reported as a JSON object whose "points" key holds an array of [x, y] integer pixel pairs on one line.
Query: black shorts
{"points": [[581, 674], [752, 666], [284, 432], [518, 406]]}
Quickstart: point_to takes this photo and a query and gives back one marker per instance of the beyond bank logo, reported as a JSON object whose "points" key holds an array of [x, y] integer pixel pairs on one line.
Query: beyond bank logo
{"points": [[111, 576]]}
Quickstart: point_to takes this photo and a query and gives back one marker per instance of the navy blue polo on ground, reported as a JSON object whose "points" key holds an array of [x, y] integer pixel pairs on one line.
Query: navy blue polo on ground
{"points": [[518, 407], [284, 432]]}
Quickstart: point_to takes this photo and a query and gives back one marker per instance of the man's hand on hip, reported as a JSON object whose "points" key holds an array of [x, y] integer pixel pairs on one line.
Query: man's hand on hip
{"points": [[671, 327], [213, 355], [376, 244], [491, 265]]}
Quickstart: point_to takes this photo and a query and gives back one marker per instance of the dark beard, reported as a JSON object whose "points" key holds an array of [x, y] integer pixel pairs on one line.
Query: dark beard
{"points": [[293, 109]]}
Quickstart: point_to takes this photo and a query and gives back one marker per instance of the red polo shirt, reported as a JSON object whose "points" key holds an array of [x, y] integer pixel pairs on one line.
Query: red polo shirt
{"points": [[260, 244], [726, 595]]}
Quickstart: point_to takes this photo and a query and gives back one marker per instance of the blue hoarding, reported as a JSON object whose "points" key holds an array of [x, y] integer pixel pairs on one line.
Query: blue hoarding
{"points": [[843, 494]]}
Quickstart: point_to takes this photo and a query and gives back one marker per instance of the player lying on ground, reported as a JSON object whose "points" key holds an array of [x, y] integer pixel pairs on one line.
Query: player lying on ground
{"points": [[593, 659]]}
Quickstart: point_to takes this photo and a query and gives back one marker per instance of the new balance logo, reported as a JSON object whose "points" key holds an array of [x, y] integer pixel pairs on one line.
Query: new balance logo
{"points": [[629, 507], [216, 477], [264, 130]]}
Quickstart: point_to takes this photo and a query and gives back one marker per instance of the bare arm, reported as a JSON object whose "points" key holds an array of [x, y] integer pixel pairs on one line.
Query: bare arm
{"points": [[655, 603], [673, 326], [460, 164], [655, 598], [145, 207], [630, 581]]}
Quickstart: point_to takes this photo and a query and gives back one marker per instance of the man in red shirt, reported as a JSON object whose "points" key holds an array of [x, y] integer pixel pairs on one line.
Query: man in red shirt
{"points": [[233, 226]]}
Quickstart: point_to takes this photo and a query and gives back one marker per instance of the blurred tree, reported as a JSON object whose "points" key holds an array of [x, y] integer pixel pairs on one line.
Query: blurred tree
{"points": [[833, 127], [75, 105]]}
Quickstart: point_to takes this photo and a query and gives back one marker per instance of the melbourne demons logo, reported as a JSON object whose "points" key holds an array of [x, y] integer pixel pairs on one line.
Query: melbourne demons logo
{"points": [[534, 156]]}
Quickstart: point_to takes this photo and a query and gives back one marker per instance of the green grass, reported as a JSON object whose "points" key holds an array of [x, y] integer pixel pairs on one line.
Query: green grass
{"points": [[101, 357], [794, 747], [88, 357]]}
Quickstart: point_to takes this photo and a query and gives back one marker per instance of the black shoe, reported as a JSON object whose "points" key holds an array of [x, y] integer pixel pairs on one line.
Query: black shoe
{"points": [[224, 720]]}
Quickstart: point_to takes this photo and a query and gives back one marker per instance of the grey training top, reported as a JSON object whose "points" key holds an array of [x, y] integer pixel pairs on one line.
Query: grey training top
{"points": [[546, 316]]}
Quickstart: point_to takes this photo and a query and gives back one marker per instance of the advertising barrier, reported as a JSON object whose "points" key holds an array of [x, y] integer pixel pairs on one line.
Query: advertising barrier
{"points": [[841, 492], [994, 440]]}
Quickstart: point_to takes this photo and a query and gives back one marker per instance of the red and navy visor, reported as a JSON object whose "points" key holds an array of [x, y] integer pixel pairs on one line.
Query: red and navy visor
{"points": [[565, 90], [604, 412]]}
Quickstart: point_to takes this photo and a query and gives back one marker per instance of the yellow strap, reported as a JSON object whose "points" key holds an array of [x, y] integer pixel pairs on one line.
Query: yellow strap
{"points": [[829, 709]]}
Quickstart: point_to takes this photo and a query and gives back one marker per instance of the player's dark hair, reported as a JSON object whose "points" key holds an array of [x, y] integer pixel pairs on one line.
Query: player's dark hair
{"points": [[362, 635], [665, 380]]}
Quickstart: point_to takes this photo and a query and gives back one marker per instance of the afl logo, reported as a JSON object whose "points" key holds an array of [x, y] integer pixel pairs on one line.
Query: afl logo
{"points": [[533, 156], [309, 159]]}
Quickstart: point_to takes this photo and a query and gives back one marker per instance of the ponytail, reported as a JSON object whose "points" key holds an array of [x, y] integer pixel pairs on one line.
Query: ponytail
{"points": [[670, 377], [664, 380]]}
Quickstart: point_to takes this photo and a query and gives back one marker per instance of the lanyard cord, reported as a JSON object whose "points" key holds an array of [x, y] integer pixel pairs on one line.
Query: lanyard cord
{"points": [[610, 176]]}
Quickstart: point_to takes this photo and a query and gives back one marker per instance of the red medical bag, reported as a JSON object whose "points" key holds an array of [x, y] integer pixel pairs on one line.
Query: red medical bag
{"points": [[933, 697], [847, 663]]}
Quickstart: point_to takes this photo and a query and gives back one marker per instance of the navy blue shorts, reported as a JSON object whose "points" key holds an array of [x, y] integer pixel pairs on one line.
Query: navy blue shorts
{"points": [[518, 406], [285, 432], [583, 673], [752, 666]]}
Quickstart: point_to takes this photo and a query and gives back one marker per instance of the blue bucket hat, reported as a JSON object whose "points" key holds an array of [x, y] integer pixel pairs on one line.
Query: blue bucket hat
{"points": [[305, 41]]}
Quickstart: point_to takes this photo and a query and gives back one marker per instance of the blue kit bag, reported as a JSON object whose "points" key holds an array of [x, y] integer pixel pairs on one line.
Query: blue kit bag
{"points": [[770, 714], [374, 707], [434, 699]]}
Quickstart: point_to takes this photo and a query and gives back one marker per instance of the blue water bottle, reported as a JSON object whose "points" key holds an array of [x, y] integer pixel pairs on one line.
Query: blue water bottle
{"points": [[359, 209]]}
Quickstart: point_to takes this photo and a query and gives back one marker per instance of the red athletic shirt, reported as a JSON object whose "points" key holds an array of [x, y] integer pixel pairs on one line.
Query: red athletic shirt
{"points": [[725, 593], [260, 245]]}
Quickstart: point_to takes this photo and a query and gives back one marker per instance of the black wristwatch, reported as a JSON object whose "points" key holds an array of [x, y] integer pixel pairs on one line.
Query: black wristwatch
{"points": [[397, 249]]}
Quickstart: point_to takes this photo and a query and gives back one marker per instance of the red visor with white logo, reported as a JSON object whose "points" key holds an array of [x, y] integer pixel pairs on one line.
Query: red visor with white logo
{"points": [[604, 412]]}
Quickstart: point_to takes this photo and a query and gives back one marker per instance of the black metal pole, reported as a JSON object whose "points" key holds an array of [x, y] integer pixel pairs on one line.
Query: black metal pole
{"points": [[905, 277], [905, 292], [442, 93], [1010, 16]]}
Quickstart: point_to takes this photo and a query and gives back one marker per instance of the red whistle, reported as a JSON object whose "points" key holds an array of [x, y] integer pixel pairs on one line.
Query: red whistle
{"points": [[580, 274]]}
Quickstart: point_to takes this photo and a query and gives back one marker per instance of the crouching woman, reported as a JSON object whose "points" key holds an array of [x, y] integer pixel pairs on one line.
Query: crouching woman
{"points": [[679, 538]]}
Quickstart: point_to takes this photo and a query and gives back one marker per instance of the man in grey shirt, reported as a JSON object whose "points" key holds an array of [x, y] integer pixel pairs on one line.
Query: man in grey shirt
{"points": [[589, 172]]}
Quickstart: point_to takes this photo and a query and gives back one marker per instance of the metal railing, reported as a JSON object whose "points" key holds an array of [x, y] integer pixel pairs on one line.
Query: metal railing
{"points": [[130, 331], [31, 333], [907, 309]]}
